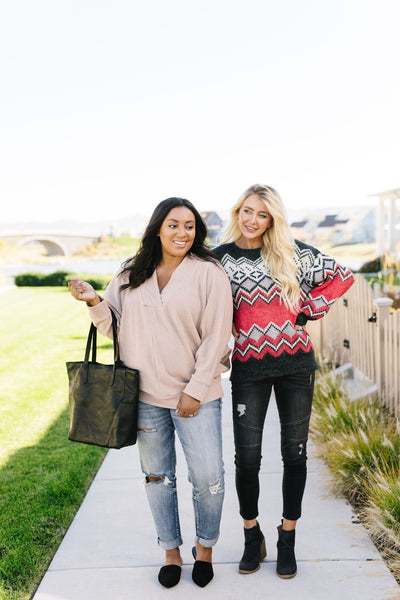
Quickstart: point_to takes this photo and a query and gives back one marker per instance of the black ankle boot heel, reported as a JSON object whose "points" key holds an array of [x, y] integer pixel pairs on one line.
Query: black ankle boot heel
{"points": [[286, 566], [254, 550]]}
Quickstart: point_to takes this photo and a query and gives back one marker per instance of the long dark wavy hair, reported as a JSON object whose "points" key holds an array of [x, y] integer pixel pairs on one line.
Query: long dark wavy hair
{"points": [[142, 266]]}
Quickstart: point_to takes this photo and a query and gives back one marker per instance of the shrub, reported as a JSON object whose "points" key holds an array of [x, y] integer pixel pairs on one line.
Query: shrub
{"points": [[360, 442], [372, 266], [28, 279], [60, 278], [98, 281], [381, 517], [357, 438]]}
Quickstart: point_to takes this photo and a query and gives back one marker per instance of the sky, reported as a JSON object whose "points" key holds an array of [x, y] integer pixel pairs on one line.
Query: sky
{"points": [[108, 107]]}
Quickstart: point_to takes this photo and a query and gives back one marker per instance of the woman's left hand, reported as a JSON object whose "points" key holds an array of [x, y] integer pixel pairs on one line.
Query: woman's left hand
{"points": [[187, 406]]}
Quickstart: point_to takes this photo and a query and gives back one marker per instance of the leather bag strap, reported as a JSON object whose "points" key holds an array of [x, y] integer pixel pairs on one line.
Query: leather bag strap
{"points": [[91, 344]]}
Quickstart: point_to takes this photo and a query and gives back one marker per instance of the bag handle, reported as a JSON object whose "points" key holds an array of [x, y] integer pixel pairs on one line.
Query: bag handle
{"points": [[91, 344]]}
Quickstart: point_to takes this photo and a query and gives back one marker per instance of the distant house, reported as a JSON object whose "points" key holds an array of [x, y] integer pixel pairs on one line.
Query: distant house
{"points": [[355, 225], [214, 225], [361, 227], [299, 230], [331, 229]]}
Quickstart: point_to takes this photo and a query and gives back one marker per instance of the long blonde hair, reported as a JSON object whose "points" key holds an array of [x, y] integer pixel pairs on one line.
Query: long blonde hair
{"points": [[278, 242]]}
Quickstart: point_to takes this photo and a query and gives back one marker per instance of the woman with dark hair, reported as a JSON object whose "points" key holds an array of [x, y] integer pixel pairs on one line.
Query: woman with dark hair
{"points": [[174, 309]]}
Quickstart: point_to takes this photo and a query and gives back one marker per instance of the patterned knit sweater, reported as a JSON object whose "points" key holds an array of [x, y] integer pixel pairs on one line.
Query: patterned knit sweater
{"points": [[269, 345]]}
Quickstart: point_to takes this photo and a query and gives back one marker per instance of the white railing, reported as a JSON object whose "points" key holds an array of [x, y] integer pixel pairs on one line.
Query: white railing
{"points": [[392, 361], [362, 331]]}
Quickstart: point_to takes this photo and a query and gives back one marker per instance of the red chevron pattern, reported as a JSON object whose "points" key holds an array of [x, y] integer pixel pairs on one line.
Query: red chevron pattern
{"points": [[267, 330]]}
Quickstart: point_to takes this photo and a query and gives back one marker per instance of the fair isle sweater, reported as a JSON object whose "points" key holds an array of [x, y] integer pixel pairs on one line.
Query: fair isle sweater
{"points": [[269, 345]]}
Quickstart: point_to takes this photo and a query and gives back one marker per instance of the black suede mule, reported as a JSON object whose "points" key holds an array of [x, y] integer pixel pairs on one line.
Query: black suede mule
{"points": [[202, 571], [169, 575]]}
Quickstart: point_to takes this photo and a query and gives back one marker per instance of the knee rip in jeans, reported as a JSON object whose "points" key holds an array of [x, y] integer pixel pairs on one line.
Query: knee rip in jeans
{"points": [[217, 488], [150, 430], [214, 489], [156, 478], [295, 452], [241, 408]]}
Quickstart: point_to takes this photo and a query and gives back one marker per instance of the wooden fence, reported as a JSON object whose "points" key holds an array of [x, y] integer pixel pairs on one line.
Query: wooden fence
{"points": [[360, 329]]}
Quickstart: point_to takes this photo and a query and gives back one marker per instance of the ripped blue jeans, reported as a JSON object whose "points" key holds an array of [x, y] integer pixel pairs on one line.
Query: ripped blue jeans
{"points": [[201, 439], [293, 394]]}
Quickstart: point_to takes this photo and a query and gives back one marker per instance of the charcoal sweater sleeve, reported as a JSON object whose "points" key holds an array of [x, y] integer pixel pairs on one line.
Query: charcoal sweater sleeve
{"points": [[322, 282]]}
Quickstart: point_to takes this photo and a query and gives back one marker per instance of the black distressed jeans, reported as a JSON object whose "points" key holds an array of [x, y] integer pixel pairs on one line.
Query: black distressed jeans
{"points": [[293, 395]]}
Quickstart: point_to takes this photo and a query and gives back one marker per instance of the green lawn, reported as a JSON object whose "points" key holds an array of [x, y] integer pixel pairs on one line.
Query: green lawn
{"points": [[43, 476], [361, 252]]}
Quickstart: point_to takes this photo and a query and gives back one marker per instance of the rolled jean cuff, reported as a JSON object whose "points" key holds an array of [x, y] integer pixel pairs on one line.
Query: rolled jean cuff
{"points": [[206, 543], [170, 545]]}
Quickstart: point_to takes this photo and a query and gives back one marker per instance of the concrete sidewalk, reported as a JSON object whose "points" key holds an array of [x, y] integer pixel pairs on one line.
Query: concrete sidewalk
{"points": [[110, 551]]}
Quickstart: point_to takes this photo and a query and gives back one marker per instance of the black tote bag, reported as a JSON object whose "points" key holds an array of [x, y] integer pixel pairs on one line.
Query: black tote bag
{"points": [[103, 399]]}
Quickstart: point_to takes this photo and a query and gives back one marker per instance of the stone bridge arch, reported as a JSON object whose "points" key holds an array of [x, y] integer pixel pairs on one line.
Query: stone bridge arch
{"points": [[53, 246], [56, 244]]}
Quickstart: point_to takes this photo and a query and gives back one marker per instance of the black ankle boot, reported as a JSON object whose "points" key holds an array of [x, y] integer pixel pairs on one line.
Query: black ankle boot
{"points": [[254, 550], [286, 564]]}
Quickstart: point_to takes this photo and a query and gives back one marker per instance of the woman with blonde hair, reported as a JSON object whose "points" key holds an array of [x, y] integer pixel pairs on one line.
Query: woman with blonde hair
{"points": [[278, 283]]}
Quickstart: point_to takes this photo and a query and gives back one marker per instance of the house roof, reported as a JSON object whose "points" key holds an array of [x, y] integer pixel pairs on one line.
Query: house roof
{"points": [[331, 221], [299, 224]]}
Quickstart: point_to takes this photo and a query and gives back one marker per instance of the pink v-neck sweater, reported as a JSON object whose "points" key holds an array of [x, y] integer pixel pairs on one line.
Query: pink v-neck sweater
{"points": [[177, 339]]}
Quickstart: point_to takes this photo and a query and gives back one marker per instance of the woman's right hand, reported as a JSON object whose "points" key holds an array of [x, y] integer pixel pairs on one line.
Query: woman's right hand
{"points": [[82, 290]]}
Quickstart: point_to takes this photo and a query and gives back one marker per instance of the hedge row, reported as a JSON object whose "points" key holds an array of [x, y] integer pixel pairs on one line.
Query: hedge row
{"points": [[60, 278], [372, 266]]}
